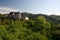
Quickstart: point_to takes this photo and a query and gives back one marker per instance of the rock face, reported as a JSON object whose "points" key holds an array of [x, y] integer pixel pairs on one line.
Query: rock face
{"points": [[14, 15]]}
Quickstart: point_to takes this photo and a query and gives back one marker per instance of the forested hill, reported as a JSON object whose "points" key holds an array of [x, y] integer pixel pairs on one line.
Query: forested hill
{"points": [[51, 18], [38, 27]]}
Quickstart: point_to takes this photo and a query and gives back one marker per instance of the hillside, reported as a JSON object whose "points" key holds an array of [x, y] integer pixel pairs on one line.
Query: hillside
{"points": [[38, 27], [52, 18]]}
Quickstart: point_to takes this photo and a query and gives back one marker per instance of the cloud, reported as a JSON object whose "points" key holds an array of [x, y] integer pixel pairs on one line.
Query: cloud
{"points": [[4, 10]]}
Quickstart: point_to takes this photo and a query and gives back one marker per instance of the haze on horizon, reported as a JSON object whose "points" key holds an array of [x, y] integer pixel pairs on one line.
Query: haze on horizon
{"points": [[32, 6]]}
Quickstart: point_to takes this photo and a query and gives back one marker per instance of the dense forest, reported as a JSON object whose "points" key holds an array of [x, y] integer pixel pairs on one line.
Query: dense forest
{"points": [[38, 27]]}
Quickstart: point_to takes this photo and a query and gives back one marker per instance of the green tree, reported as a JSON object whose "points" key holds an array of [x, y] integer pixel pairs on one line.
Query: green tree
{"points": [[42, 25]]}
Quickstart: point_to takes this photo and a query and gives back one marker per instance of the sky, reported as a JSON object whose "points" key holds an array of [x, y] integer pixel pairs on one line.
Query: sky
{"points": [[32, 6]]}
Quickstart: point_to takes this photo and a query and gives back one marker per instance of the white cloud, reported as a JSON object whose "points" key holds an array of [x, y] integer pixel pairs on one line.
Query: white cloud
{"points": [[4, 10]]}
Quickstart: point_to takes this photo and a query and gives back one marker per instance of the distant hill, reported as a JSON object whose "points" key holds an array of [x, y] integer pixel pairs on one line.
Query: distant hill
{"points": [[51, 18]]}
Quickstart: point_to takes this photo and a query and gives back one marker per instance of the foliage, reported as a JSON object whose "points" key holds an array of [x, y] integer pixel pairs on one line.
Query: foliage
{"points": [[38, 29]]}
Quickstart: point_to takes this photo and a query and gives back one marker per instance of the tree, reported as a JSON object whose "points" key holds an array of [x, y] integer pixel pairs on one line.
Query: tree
{"points": [[42, 25]]}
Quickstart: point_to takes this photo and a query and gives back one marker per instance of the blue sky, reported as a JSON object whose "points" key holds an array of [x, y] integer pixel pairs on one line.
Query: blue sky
{"points": [[31, 6]]}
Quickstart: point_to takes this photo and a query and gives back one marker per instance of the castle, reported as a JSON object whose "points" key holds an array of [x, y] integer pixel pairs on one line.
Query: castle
{"points": [[16, 15]]}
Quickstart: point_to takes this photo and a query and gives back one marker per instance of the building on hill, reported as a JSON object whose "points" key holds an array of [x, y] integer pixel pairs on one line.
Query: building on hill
{"points": [[14, 15]]}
